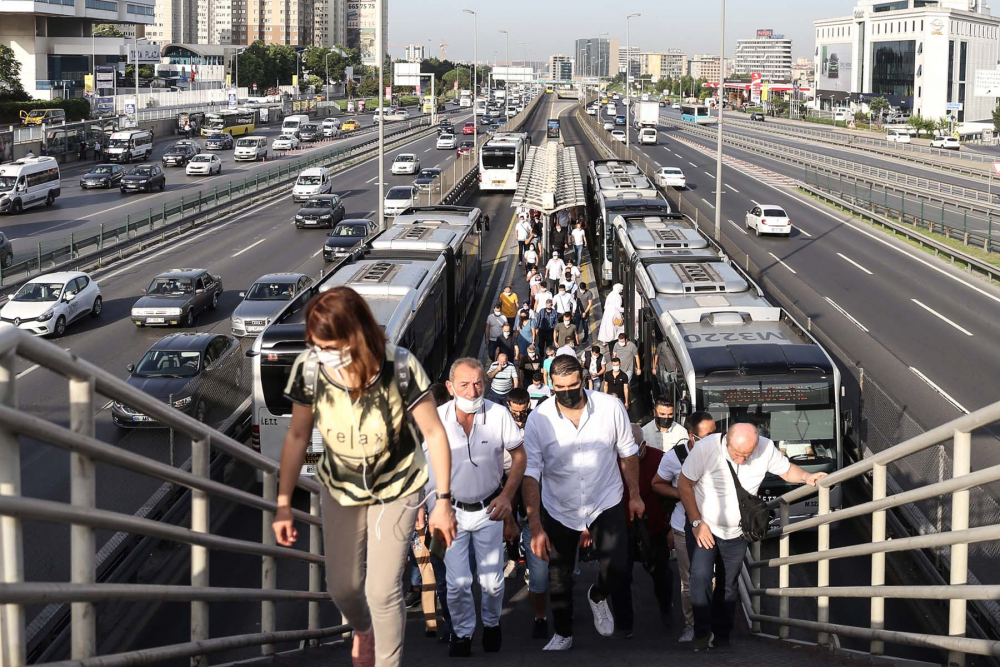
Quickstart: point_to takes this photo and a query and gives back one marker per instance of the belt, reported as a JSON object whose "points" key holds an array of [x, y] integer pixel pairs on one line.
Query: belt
{"points": [[477, 506]]}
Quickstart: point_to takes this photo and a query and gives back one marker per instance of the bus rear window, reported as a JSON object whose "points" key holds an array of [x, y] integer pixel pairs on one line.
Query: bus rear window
{"points": [[498, 159], [273, 379]]}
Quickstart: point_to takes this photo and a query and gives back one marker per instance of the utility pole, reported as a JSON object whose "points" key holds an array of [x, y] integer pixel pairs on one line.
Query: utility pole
{"points": [[380, 58], [475, 64], [506, 79], [718, 150], [628, 72]]}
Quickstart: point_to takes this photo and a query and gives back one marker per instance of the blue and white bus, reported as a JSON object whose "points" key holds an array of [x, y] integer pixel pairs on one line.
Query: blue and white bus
{"points": [[696, 113]]}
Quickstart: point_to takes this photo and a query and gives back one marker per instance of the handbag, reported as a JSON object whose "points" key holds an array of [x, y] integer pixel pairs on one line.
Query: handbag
{"points": [[754, 513], [618, 321]]}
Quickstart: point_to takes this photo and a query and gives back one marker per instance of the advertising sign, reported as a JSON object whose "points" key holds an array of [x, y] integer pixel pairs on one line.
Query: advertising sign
{"points": [[350, 106], [360, 17], [406, 74], [148, 53], [987, 83], [105, 106], [88, 85], [131, 116], [295, 80], [517, 74], [388, 92], [231, 96], [835, 67], [6, 146], [756, 84], [765, 32]]}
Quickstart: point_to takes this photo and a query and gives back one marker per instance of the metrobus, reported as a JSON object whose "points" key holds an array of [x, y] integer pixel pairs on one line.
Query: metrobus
{"points": [[465, 99], [696, 113], [721, 347], [234, 122], [480, 106], [500, 162]]}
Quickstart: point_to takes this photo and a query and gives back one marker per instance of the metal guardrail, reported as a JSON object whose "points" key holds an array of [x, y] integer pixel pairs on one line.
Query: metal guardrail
{"points": [[85, 382]]}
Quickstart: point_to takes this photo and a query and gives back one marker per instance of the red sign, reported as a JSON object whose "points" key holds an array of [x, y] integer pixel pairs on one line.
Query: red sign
{"points": [[454, 86], [996, 167], [388, 92], [768, 32], [418, 90]]}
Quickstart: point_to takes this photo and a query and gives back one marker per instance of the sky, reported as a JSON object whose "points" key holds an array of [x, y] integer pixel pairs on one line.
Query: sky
{"points": [[552, 26]]}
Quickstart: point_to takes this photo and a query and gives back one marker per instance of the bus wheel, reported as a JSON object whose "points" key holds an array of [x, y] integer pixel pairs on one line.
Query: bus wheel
{"points": [[15, 207]]}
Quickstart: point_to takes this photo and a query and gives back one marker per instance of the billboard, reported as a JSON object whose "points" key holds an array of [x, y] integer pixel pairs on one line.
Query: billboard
{"points": [[360, 18], [987, 83], [835, 67], [406, 74], [514, 74], [6, 146], [765, 32]]}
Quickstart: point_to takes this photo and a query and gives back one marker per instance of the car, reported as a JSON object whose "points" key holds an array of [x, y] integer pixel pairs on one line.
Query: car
{"points": [[397, 200], [6, 251], [204, 164], [185, 369], [445, 127], [951, 143], [346, 235], [663, 103], [495, 127], [675, 105], [591, 111], [350, 125], [177, 297], [309, 132], [898, 136], [465, 148], [320, 211], [670, 177], [179, 154], [143, 177], [331, 127], [768, 219], [446, 142], [620, 120], [618, 135], [285, 142], [264, 299], [47, 304], [428, 180], [219, 141], [757, 116], [839, 116], [103, 176], [406, 163], [609, 125], [469, 128], [486, 119]]}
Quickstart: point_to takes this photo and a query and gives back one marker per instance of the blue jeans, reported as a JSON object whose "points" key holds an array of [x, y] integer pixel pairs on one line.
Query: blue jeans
{"points": [[579, 255], [714, 611], [538, 569], [582, 324]]}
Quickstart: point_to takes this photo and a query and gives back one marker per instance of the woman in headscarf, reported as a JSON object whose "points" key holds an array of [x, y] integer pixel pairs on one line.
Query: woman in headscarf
{"points": [[613, 321]]}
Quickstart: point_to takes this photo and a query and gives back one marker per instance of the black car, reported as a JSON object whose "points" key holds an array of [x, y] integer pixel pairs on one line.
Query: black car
{"points": [[177, 297], [486, 120], [345, 236], [180, 154], [219, 141], [6, 251], [445, 128], [310, 132], [320, 211], [185, 369], [428, 180], [757, 116], [143, 178], [103, 176]]}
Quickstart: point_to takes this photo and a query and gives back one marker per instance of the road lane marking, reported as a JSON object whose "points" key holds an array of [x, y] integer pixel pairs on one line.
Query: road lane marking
{"points": [[708, 202], [848, 259], [249, 247], [708, 174], [496, 262], [755, 202], [317, 252], [783, 264], [802, 231], [692, 164], [939, 390], [846, 314], [373, 178], [27, 370], [677, 154], [737, 227], [941, 317], [732, 188]]}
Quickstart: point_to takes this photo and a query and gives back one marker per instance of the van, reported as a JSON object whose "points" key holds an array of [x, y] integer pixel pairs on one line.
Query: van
{"points": [[250, 148], [28, 182], [647, 135], [313, 181], [129, 146], [291, 124], [43, 116]]}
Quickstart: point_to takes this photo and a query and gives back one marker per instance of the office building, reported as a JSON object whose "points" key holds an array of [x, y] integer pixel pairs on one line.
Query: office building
{"points": [[623, 59], [706, 66], [54, 44], [560, 67], [804, 69], [663, 64], [361, 29], [594, 56], [920, 56], [329, 23], [415, 53], [767, 53]]}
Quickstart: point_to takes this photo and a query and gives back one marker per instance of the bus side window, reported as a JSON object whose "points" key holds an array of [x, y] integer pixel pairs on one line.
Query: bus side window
{"points": [[667, 369]]}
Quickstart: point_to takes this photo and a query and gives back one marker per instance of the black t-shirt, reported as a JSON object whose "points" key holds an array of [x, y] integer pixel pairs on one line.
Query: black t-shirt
{"points": [[559, 238], [506, 345], [616, 386]]}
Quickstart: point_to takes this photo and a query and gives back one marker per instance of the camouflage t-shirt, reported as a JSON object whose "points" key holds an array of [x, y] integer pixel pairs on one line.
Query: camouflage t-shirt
{"points": [[371, 451]]}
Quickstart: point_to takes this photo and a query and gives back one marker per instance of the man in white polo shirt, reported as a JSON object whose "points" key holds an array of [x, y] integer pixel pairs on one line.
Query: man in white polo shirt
{"points": [[714, 538], [478, 431], [575, 445]]}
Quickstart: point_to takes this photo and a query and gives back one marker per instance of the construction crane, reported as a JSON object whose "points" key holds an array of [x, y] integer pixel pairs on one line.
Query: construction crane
{"points": [[443, 46]]}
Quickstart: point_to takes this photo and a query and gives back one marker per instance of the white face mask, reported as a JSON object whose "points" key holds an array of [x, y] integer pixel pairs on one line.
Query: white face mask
{"points": [[497, 313], [469, 405], [333, 359]]}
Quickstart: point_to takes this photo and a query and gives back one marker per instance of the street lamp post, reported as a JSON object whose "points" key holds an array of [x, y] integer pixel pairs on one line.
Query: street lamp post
{"points": [[506, 79], [628, 71], [326, 73], [600, 58], [718, 150], [475, 64]]}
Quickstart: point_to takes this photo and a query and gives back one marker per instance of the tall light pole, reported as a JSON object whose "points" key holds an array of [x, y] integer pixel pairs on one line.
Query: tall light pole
{"points": [[326, 74], [718, 150], [628, 71], [380, 58], [600, 58], [475, 63], [524, 54], [506, 79]]}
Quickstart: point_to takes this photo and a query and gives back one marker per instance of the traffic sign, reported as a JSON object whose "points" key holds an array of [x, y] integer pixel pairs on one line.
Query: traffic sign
{"points": [[953, 106], [996, 167]]}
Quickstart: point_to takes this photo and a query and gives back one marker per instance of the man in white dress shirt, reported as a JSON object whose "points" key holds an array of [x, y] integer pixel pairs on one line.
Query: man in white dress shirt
{"points": [[479, 431], [662, 432], [575, 445]]}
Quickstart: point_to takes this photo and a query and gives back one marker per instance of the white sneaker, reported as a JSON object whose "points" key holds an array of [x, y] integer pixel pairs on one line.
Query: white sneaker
{"points": [[603, 620], [687, 635], [509, 569], [559, 643]]}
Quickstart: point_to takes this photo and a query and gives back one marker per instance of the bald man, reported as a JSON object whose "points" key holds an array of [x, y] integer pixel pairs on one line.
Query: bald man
{"points": [[715, 541]]}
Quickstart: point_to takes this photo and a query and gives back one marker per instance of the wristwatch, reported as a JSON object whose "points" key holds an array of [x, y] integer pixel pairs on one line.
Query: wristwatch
{"points": [[444, 496], [696, 523]]}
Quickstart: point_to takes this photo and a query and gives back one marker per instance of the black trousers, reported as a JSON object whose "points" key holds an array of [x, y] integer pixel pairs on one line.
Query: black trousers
{"points": [[610, 549], [663, 583]]}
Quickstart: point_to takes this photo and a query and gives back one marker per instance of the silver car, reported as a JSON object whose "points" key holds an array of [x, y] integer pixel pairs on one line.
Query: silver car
{"points": [[264, 299]]}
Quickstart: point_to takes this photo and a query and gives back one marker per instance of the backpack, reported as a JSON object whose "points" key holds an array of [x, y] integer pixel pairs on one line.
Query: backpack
{"points": [[754, 513], [668, 504], [401, 364]]}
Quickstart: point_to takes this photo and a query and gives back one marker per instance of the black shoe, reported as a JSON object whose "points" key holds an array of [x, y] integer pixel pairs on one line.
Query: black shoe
{"points": [[461, 647], [491, 639], [721, 643], [665, 618], [412, 598], [444, 636], [540, 629]]}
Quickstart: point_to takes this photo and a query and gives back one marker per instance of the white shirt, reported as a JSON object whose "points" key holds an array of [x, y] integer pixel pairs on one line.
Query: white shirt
{"points": [[477, 461], [541, 297], [714, 490], [537, 393], [523, 230], [555, 268], [564, 302], [566, 349], [578, 467], [661, 440], [670, 471], [578, 236]]}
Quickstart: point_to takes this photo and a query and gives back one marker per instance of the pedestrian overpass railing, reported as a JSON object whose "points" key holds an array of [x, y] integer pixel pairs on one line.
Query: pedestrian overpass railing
{"points": [[85, 382], [955, 536]]}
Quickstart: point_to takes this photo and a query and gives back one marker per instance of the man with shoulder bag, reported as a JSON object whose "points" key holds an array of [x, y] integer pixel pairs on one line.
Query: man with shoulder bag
{"points": [[718, 486]]}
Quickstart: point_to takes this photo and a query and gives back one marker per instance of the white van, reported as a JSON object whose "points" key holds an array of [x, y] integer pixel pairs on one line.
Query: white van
{"points": [[291, 124], [647, 135], [129, 146], [314, 181], [250, 148], [30, 181]]}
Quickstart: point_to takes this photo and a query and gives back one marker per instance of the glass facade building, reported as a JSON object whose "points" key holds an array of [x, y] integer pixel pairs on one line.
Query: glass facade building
{"points": [[893, 68]]}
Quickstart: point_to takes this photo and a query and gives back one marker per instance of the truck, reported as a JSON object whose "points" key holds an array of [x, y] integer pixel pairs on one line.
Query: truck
{"points": [[646, 114], [465, 99]]}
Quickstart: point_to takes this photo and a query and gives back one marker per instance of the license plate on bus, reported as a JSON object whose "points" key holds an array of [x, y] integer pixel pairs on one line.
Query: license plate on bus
{"points": [[497, 182], [141, 418], [309, 470], [154, 320]]}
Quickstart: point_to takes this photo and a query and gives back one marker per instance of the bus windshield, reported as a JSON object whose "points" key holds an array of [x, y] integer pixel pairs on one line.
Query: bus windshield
{"points": [[7, 183], [499, 158]]}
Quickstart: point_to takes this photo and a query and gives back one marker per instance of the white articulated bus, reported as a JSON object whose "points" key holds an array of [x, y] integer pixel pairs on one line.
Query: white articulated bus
{"points": [[500, 162]]}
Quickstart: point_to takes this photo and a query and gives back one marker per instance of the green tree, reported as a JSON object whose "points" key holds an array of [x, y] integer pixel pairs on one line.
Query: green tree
{"points": [[996, 118], [145, 72], [942, 124], [878, 106], [107, 30], [11, 89]]}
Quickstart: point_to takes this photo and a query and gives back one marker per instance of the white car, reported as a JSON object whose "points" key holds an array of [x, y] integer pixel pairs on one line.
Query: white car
{"points": [[618, 135], [611, 110], [675, 105], [331, 127], [285, 142], [898, 136], [609, 125], [405, 163], [670, 177], [397, 200], [204, 164], [447, 142], [769, 219], [46, 305], [951, 143], [591, 111]]}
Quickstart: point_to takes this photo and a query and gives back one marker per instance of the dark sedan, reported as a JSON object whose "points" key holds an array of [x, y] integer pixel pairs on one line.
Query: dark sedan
{"points": [[446, 128], [219, 141], [143, 178], [465, 148], [757, 116], [179, 154], [320, 211], [177, 297], [185, 370], [345, 236], [486, 119], [310, 132], [103, 176], [428, 180]]}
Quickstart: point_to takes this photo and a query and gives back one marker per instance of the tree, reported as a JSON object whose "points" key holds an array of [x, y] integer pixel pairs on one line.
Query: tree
{"points": [[11, 89], [922, 125], [267, 65], [107, 30], [996, 118], [878, 106], [145, 72]]}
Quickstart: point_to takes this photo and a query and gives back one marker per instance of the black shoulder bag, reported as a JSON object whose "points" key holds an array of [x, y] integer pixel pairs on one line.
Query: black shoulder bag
{"points": [[754, 514], [668, 504]]}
